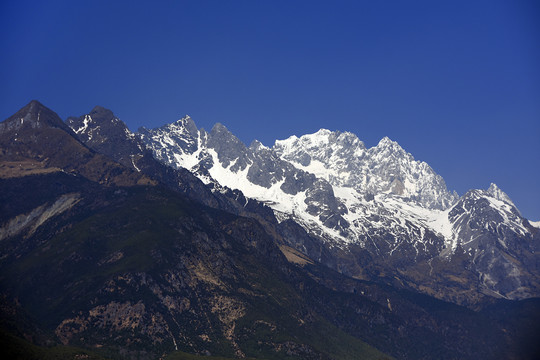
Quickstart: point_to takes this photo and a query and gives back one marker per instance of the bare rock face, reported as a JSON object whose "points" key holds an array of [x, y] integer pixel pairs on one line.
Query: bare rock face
{"points": [[36, 134], [34, 115], [103, 132], [106, 134]]}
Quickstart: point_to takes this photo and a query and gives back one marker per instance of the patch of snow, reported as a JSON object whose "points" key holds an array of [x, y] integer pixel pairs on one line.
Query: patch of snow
{"points": [[129, 134], [86, 121], [536, 224], [135, 166], [316, 168], [505, 209], [498, 194]]}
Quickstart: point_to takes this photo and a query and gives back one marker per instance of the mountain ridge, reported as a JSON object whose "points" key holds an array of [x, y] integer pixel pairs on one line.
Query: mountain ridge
{"points": [[380, 198], [146, 269]]}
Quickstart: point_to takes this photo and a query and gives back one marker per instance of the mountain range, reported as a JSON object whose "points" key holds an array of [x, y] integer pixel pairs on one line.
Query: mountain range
{"points": [[175, 239], [375, 210]]}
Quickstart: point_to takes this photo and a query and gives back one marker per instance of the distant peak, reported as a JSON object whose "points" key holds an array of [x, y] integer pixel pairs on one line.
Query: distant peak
{"points": [[350, 138], [101, 112], [98, 108], [33, 103], [38, 114], [256, 145], [186, 119], [319, 137], [497, 193], [493, 188], [323, 132], [386, 141], [290, 139], [219, 127], [33, 107], [187, 123], [183, 119]]}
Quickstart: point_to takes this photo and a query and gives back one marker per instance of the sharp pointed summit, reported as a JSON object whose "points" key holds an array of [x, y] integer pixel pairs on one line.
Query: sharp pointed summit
{"points": [[35, 115], [498, 194]]}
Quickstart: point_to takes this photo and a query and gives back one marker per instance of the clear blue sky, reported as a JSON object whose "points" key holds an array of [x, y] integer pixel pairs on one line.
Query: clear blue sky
{"points": [[456, 83]]}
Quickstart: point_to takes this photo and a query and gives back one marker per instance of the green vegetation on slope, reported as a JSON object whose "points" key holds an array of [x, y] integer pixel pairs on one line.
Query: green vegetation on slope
{"points": [[125, 263]]}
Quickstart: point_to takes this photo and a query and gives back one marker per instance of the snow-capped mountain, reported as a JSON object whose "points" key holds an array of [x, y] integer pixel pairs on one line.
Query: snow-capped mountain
{"points": [[368, 211], [343, 160], [328, 182], [503, 246], [218, 156], [168, 258]]}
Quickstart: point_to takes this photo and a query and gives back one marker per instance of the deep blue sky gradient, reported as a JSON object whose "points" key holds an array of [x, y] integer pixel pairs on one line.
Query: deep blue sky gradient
{"points": [[456, 83]]}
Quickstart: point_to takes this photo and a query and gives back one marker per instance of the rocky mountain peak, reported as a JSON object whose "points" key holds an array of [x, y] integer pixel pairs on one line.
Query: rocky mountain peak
{"points": [[321, 139], [219, 128], [228, 147], [33, 106], [322, 133], [342, 159], [325, 146], [350, 139], [389, 147], [256, 145], [488, 227], [386, 141], [99, 125], [498, 194], [35, 115], [36, 133], [101, 112], [186, 123]]}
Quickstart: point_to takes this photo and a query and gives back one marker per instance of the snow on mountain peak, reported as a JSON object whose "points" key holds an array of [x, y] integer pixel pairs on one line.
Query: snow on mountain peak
{"points": [[319, 138], [186, 123], [388, 147], [183, 120], [256, 145], [536, 224], [379, 198], [343, 160], [322, 132], [339, 158], [498, 194], [385, 141], [87, 120]]}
